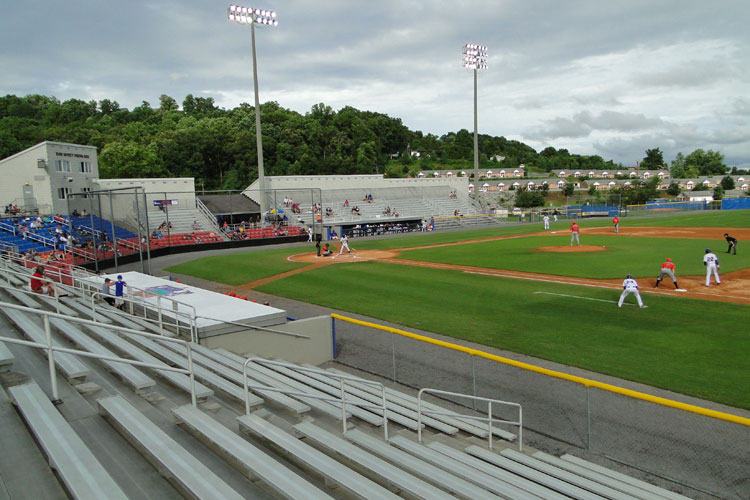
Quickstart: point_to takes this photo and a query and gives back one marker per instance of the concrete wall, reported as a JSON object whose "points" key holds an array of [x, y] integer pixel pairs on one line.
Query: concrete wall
{"points": [[35, 168], [180, 190], [318, 349]]}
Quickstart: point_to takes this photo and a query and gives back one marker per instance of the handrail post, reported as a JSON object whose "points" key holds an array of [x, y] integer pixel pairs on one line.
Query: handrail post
{"points": [[520, 428], [489, 422], [419, 415], [192, 375], [385, 414], [393, 354], [343, 405], [244, 383], [51, 361]]}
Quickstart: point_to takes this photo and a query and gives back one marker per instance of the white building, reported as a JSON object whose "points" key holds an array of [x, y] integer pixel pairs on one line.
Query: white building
{"points": [[42, 176]]}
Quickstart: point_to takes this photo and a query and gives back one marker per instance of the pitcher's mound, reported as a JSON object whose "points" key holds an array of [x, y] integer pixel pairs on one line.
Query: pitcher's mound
{"points": [[354, 256], [567, 248]]}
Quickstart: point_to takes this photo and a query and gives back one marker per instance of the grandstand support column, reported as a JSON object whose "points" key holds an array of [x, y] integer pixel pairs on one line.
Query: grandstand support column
{"points": [[138, 225], [166, 215], [93, 233], [148, 234], [114, 234]]}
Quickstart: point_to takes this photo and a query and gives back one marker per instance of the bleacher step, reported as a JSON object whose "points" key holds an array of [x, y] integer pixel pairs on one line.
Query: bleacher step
{"points": [[172, 460], [79, 470], [249, 458]]}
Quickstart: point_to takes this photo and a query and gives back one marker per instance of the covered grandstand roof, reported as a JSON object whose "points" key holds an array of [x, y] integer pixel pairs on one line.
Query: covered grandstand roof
{"points": [[221, 204]]}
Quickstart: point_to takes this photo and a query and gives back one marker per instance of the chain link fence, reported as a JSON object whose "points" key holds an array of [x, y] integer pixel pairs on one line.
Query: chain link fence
{"points": [[705, 454]]}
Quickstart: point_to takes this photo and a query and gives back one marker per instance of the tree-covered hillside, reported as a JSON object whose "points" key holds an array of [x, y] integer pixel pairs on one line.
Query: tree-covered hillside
{"points": [[218, 147]]}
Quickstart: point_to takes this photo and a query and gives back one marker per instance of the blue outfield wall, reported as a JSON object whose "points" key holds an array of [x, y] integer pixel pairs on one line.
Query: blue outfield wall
{"points": [[676, 205], [742, 203]]}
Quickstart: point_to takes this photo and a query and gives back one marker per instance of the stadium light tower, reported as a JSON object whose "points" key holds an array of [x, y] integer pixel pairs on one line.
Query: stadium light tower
{"points": [[251, 16], [475, 58]]}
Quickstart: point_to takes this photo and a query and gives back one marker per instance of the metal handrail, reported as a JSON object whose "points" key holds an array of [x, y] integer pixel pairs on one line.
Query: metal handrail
{"points": [[254, 327], [342, 385], [489, 419], [88, 289], [46, 315]]}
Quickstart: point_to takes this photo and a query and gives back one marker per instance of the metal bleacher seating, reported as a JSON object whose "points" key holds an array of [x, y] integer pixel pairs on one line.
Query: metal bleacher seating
{"points": [[82, 474], [125, 431]]}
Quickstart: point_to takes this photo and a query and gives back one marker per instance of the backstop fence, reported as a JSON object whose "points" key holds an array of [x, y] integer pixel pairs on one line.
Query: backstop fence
{"points": [[703, 449]]}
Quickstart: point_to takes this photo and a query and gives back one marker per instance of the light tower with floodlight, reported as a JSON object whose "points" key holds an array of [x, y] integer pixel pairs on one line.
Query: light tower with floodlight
{"points": [[475, 58], [248, 15]]}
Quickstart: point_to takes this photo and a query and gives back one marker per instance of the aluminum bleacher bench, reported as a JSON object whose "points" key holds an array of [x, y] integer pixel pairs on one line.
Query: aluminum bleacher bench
{"points": [[452, 419], [222, 365], [387, 472], [315, 460], [179, 380], [119, 319], [414, 465], [6, 358], [471, 474], [613, 478], [79, 470], [375, 396], [84, 307], [23, 298], [266, 376], [565, 475], [68, 364], [246, 456], [129, 374], [201, 373], [57, 305], [333, 388], [497, 472], [173, 461], [553, 483]]}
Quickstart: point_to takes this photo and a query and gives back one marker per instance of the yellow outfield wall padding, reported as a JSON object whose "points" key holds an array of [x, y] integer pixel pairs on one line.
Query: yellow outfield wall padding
{"points": [[552, 373]]}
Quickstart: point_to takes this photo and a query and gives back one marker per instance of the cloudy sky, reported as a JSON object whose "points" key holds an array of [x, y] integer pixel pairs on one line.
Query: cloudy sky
{"points": [[609, 78]]}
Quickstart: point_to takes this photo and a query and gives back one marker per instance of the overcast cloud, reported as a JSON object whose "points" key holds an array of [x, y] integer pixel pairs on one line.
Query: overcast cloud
{"points": [[607, 78]]}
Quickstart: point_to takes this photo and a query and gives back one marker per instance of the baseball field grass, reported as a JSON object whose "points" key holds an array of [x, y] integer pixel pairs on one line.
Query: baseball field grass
{"points": [[694, 347], [690, 346]]}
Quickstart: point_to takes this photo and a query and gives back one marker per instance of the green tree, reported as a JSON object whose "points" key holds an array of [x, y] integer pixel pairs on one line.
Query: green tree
{"points": [[167, 103], [569, 189], [727, 183], [718, 192], [674, 188], [706, 162], [654, 159], [677, 169], [528, 199]]}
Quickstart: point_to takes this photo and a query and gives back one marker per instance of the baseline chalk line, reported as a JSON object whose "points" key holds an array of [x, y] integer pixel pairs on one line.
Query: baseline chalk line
{"points": [[583, 298]]}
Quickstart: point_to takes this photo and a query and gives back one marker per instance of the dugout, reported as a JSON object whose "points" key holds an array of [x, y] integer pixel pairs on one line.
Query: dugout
{"points": [[375, 227]]}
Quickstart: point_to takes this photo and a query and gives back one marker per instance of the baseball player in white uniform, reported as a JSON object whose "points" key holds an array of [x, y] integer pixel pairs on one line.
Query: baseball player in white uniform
{"points": [[344, 243], [546, 221], [712, 267], [630, 286]]}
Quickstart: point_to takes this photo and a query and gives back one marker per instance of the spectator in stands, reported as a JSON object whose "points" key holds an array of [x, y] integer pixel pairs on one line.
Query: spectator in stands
{"points": [[105, 292], [120, 285], [76, 213], [196, 226], [84, 213], [346, 204], [41, 285]]}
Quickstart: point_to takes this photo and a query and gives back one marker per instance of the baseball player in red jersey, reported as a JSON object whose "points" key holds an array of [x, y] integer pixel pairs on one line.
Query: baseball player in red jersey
{"points": [[667, 269], [574, 230], [616, 223]]}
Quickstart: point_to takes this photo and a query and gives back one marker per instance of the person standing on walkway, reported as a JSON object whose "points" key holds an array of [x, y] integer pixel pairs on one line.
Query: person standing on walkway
{"points": [[574, 233], [120, 285], [630, 286], [712, 267]]}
